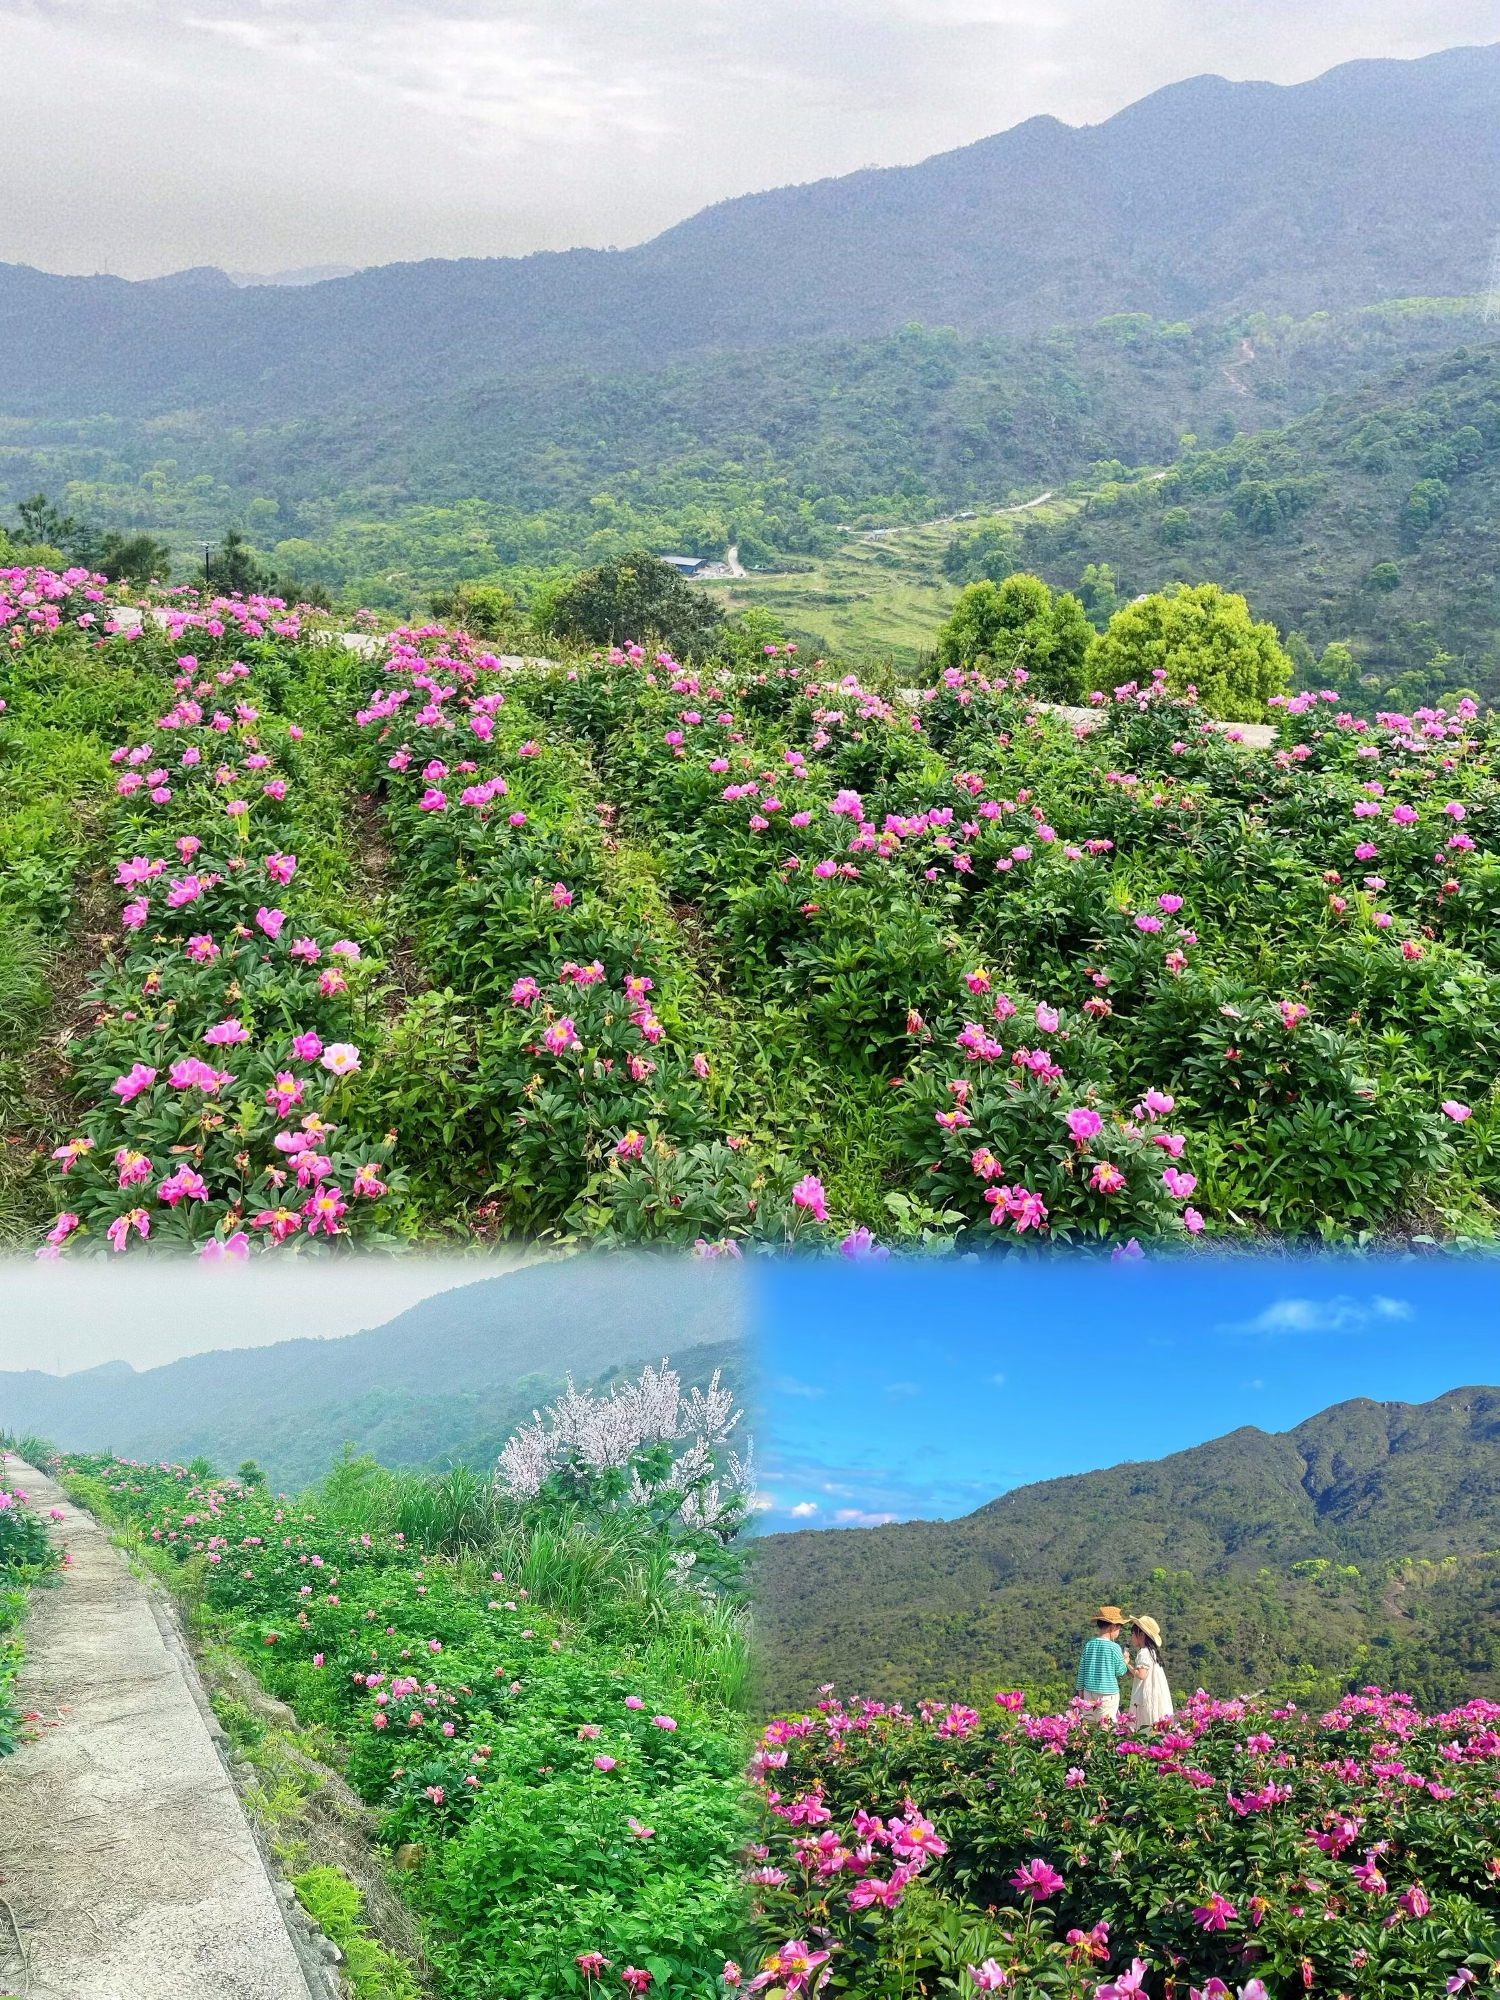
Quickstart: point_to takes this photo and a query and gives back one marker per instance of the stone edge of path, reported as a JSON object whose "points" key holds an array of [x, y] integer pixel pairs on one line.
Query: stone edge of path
{"points": [[316, 1954]]}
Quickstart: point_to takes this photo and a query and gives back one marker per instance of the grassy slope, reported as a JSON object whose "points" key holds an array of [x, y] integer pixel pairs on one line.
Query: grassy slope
{"points": [[879, 598]]}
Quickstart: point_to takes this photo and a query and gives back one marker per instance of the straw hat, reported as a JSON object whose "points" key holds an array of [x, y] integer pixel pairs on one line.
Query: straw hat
{"points": [[1110, 1614], [1150, 1627]]}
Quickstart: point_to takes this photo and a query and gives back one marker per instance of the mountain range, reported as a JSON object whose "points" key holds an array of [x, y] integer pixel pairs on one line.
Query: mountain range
{"points": [[1377, 180], [1360, 1543], [446, 1381]]}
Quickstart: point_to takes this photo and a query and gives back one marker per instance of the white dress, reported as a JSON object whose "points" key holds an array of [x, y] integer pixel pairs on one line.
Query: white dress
{"points": [[1150, 1697]]}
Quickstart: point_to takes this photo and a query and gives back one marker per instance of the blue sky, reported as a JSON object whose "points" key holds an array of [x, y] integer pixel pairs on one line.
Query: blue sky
{"points": [[924, 1389]]}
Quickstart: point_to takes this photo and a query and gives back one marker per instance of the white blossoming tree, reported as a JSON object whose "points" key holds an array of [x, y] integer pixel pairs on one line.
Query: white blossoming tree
{"points": [[643, 1445]]}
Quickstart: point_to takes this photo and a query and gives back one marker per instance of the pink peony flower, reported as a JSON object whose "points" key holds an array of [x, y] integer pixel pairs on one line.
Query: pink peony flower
{"points": [[989, 1977], [808, 1193], [1215, 1914], [127, 1087], [226, 1032], [1037, 1881]]}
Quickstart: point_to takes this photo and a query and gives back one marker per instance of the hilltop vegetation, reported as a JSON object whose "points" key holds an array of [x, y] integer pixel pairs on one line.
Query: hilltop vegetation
{"points": [[1361, 1545], [772, 451], [1371, 520], [1205, 199]]}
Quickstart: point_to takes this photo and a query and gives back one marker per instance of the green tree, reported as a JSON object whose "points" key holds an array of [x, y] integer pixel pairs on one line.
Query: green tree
{"points": [[1020, 623], [1174, 527], [637, 597], [1425, 506], [1098, 592], [237, 569], [484, 610], [42, 525], [135, 559], [1199, 636], [988, 549]]}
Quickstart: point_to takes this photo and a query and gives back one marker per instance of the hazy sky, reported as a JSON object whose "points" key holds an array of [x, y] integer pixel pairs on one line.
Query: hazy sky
{"points": [[74, 1314], [926, 1389], [141, 136]]}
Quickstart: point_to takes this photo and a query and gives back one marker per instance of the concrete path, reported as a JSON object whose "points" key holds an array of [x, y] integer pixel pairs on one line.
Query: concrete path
{"points": [[129, 1870]]}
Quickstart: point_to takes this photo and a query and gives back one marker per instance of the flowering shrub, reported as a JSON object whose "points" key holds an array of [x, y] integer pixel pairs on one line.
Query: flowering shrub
{"points": [[678, 942], [1236, 1847], [221, 1068], [572, 1784], [970, 914], [26, 1556], [586, 1086]]}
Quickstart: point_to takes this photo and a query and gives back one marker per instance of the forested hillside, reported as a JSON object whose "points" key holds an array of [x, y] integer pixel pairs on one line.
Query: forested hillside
{"points": [[1372, 519], [1374, 181], [1361, 1543], [775, 452]]}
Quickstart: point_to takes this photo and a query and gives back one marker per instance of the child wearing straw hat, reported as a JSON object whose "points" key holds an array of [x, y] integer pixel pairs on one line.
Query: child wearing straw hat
{"points": [[1150, 1697], [1100, 1666]]}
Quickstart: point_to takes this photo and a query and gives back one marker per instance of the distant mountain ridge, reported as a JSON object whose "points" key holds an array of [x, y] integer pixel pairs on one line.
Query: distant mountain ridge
{"points": [[447, 1379], [1376, 180], [1237, 1544]]}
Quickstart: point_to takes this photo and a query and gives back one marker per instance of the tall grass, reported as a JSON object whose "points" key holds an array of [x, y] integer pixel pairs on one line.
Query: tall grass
{"points": [[35, 1450], [619, 1573]]}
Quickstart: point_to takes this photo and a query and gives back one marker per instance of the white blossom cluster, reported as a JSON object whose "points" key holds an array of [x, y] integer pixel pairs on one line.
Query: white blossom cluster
{"points": [[605, 1433]]}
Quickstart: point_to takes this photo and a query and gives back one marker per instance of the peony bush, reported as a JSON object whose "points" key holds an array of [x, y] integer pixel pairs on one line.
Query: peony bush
{"points": [[549, 1738], [1237, 1847], [645, 950]]}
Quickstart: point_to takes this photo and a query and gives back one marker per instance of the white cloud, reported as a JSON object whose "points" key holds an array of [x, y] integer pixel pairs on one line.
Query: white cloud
{"points": [[788, 1385], [854, 1517], [1339, 1314], [804, 1510], [901, 1392]]}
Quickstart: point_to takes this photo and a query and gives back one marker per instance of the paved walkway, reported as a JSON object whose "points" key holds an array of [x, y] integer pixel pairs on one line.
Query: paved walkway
{"points": [[128, 1867]]}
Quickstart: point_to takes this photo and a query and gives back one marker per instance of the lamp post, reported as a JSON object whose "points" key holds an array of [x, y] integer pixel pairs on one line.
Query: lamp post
{"points": [[206, 586]]}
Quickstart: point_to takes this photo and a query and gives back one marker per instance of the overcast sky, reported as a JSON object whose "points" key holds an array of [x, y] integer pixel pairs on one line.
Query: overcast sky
{"points": [[141, 136], [77, 1313]]}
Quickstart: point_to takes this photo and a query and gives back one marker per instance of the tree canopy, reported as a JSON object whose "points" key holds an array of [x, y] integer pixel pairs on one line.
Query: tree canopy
{"points": [[1020, 623], [636, 597], [1202, 637]]}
